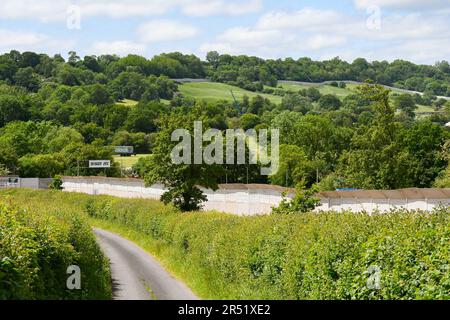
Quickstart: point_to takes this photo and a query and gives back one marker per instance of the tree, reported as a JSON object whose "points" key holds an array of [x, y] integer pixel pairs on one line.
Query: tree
{"points": [[406, 104], [329, 102], [313, 94], [40, 166], [73, 58], [294, 167], [213, 58], [181, 180], [12, 108], [27, 79], [302, 202], [249, 121], [376, 160], [443, 180], [142, 117], [98, 94], [296, 102], [424, 141], [59, 137], [56, 183]]}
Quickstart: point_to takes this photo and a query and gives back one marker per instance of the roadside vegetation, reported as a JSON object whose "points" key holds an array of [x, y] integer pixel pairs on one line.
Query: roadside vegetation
{"points": [[281, 256], [38, 244]]}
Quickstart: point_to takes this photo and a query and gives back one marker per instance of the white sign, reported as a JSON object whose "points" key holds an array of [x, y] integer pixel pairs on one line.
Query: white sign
{"points": [[124, 149], [99, 164]]}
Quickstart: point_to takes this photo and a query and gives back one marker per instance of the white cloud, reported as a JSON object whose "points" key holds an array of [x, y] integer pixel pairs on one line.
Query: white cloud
{"points": [[221, 7], [56, 10], [253, 37], [317, 33], [165, 30], [44, 10], [32, 41], [121, 48], [363, 4], [306, 18], [320, 41]]}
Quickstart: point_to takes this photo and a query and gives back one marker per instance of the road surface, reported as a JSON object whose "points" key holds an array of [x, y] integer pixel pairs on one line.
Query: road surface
{"points": [[136, 275]]}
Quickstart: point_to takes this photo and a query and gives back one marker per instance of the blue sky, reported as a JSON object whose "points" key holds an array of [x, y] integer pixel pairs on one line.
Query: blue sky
{"points": [[415, 30]]}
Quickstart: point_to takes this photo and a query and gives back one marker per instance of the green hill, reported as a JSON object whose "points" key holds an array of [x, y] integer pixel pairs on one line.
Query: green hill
{"points": [[213, 91], [341, 93]]}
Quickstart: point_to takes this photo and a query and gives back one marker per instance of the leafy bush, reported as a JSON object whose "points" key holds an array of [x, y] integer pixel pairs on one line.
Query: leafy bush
{"points": [[37, 247], [306, 256], [303, 201], [57, 183]]}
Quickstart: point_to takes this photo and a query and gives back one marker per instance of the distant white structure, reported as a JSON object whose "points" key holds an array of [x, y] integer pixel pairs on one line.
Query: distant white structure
{"points": [[29, 183], [384, 200], [254, 199], [447, 124]]}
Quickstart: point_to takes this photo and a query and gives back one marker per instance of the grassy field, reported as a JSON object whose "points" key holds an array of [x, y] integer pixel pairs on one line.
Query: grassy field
{"points": [[128, 103], [324, 89], [212, 92], [304, 256], [128, 162]]}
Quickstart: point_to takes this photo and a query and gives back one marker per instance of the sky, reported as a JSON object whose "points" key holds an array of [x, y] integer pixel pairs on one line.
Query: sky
{"points": [[414, 30]]}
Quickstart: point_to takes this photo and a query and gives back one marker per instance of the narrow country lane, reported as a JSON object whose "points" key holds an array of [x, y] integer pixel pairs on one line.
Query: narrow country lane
{"points": [[136, 275]]}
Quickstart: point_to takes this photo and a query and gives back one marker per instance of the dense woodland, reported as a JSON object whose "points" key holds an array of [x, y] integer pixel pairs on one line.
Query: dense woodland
{"points": [[57, 114]]}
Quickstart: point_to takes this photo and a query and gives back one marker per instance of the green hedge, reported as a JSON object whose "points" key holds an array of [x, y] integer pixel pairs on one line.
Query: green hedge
{"points": [[37, 247], [305, 256]]}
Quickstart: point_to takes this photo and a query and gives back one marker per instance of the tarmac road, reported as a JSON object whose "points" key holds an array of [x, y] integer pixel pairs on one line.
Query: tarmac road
{"points": [[136, 275]]}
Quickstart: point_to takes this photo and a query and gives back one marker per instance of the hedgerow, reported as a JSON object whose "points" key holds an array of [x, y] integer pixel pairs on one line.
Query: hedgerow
{"points": [[37, 247], [303, 256]]}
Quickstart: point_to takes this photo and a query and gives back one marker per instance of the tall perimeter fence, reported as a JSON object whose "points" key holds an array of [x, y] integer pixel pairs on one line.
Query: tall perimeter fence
{"points": [[254, 199]]}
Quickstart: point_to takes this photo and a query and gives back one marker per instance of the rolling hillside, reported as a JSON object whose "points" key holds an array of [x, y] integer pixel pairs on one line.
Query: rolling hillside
{"points": [[212, 92], [204, 90]]}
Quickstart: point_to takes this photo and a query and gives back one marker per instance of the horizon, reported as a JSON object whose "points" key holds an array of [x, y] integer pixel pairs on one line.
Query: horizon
{"points": [[203, 58]]}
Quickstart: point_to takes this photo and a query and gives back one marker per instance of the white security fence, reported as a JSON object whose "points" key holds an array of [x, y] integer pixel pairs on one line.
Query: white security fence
{"points": [[255, 199], [238, 199], [384, 200]]}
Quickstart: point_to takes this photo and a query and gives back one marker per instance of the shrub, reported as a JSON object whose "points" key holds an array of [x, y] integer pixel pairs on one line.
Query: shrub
{"points": [[37, 247]]}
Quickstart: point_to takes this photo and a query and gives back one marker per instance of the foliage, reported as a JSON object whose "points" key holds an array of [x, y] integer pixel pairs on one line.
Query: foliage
{"points": [[303, 201], [37, 247], [281, 256], [56, 183], [182, 180], [375, 159]]}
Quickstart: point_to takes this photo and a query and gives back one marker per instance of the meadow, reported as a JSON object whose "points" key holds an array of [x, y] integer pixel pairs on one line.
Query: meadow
{"points": [[213, 92], [128, 162], [341, 93], [304, 256]]}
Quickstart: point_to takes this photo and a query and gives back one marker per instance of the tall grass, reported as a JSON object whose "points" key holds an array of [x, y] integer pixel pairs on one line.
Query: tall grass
{"points": [[306, 256], [36, 248]]}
